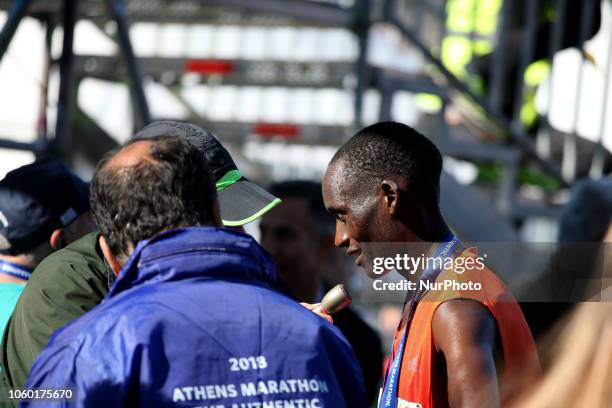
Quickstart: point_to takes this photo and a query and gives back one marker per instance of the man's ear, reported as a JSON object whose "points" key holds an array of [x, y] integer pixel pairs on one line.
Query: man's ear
{"points": [[58, 239], [110, 258], [216, 215], [391, 196]]}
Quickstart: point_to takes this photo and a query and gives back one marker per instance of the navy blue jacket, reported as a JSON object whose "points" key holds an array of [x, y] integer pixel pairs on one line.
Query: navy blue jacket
{"points": [[195, 319]]}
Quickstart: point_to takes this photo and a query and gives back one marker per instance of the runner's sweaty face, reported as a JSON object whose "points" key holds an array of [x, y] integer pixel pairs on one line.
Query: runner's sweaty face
{"points": [[370, 212], [360, 217]]}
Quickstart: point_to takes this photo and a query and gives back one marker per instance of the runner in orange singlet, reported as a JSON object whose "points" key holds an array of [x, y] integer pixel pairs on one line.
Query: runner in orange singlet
{"points": [[461, 347]]}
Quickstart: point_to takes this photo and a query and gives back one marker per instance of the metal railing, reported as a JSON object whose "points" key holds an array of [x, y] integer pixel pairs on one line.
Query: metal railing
{"points": [[523, 32], [527, 40]]}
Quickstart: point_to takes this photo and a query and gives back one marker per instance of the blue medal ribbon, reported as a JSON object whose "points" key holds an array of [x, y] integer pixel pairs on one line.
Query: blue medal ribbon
{"points": [[388, 398], [14, 270]]}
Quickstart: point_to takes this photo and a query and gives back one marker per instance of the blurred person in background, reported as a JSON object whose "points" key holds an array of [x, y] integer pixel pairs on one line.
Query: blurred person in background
{"points": [[388, 316], [209, 324], [299, 236], [581, 371], [383, 186], [76, 279], [43, 208], [386, 321], [588, 215], [580, 269]]}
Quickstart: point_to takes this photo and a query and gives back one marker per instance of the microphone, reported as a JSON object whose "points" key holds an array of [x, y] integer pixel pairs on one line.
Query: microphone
{"points": [[335, 300]]}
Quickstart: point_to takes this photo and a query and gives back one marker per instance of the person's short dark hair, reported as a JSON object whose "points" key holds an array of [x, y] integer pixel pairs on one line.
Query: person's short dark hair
{"points": [[172, 189], [310, 192], [391, 148]]}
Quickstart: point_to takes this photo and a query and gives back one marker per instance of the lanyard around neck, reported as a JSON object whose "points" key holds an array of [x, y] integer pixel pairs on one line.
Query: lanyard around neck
{"points": [[14, 270], [388, 398]]}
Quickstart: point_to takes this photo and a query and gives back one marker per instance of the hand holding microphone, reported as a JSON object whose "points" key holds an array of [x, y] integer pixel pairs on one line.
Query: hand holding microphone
{"points": [[335, 300]]}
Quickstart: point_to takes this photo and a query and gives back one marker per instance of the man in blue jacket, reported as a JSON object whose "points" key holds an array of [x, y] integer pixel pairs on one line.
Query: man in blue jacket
{"points": [[194, 318]]}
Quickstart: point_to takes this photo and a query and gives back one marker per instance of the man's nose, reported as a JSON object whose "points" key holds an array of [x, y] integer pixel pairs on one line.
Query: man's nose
{"points": [[341, 238]]}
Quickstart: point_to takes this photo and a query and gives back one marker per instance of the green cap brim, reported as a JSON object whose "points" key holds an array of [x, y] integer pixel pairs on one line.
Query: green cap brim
{"points": [[242, 201]]}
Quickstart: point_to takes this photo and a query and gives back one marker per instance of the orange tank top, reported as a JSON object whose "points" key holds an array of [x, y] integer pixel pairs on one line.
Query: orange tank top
{"points": [[422, 381]]}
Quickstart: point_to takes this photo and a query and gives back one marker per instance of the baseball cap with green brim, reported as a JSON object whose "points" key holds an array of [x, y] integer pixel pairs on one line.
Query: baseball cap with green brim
{"points": [[241, 201]]}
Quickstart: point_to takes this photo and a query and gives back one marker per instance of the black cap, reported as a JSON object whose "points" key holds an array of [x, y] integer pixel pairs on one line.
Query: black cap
{"points": [[35, 200], [241, 201]]}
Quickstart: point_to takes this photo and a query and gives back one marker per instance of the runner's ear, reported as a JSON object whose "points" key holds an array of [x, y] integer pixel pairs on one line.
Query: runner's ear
{"points": [[390, 191]]}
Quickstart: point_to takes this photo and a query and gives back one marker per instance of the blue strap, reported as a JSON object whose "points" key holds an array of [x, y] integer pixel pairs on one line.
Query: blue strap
{"points": [[389, 396], [14, 270]]}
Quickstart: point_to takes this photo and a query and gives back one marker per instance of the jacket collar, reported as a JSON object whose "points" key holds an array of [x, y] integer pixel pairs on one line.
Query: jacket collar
{"points": [[196, 252]]}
